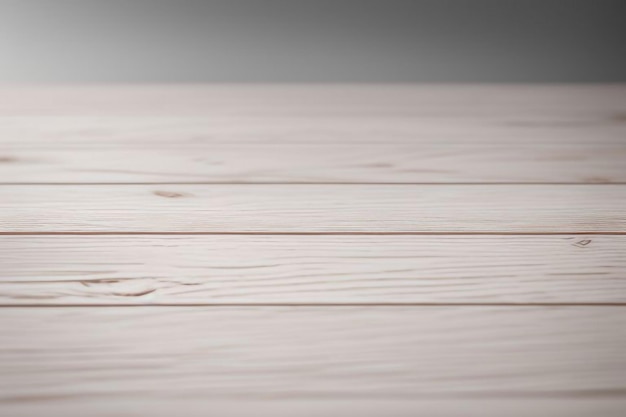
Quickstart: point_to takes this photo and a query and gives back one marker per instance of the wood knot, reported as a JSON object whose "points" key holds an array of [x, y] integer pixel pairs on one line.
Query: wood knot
{"points": [[171, 194], [7, 159], [619, 117], [134, 294], [582, 243]]}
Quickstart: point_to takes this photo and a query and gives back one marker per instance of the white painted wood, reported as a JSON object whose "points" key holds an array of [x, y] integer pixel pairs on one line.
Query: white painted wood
{"points": [[376, 359], [196, 406], [304, 163], [61, 355], [313, 208], [218, 269], [26, 132], [208, 114]]}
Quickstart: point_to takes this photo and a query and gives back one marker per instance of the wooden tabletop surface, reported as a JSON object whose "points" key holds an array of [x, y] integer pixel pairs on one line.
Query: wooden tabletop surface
{"points": [[383, 250]]}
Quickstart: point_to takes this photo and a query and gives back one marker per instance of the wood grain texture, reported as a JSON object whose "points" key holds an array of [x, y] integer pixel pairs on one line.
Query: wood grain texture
{"points": [[67, 354], [346, 250], [218, 269], [313, 209], [196, 406], [204, 114], [288, 163]]}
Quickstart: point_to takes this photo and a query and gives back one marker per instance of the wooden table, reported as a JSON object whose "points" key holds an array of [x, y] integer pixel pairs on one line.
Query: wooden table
{"points": [[313, 250]]}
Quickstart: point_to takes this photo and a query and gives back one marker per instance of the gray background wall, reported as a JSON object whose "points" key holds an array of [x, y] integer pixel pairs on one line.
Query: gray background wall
{"points": [[312, 40]]}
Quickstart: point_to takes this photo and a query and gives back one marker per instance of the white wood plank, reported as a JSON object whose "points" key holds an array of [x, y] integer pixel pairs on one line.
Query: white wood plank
{"points": [[167, 406], [314, 208], [24, 132], [203, 114], [60, 355], [218, 269], [333, 163]]}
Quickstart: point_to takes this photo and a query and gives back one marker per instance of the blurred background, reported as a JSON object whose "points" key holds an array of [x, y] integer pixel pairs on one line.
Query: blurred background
{"points": [[189, 41]]}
